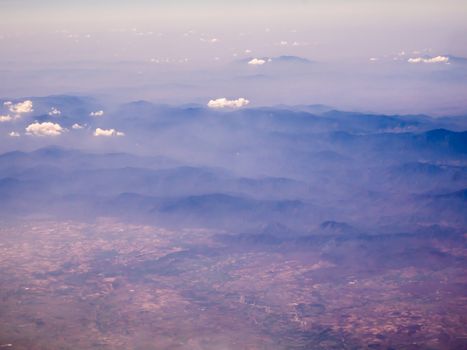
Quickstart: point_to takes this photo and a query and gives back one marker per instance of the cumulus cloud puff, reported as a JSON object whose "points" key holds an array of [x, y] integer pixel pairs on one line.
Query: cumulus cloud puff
{"points": [[77, 126], [108, 132], [299, 43], [55, 112], [5, 118], [20, 107], [97, 114], [44, 129], [437, 59], [225, 103], [212, 40], [257, 62], [14, 134]]}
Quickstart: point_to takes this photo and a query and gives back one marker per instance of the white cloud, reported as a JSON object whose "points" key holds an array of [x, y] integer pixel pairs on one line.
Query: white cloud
{"points": [[108, 132], [416, 60], [299, 43], [223, 102], [283, 43], [5, 118], [76, 126], [257, 62], [20, 107], [14, 134], [144, 33], [44, 129], [7, 103], [55, 112], [437, 59], [97, 114], [247, 51], [212, 40]]}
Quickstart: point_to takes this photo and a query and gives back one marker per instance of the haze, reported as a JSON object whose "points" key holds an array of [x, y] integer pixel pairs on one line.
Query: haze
{"points": [[184, 52]]}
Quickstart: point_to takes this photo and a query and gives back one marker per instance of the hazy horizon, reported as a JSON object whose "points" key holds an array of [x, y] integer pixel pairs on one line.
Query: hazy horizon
{"points": [[359, 52]]}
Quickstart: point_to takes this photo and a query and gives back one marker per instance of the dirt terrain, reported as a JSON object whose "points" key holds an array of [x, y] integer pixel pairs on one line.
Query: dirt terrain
{"points": [[109, 285]]}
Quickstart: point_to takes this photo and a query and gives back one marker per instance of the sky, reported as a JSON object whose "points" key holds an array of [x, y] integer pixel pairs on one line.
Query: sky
{"points": [[382, 56]]}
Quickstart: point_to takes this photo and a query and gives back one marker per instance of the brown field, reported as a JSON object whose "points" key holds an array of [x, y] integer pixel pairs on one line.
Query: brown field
{"points": [[109, 285]]}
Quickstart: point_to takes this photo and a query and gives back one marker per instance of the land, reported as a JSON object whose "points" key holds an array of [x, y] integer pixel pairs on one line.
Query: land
{"points": [[113, 285]]}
